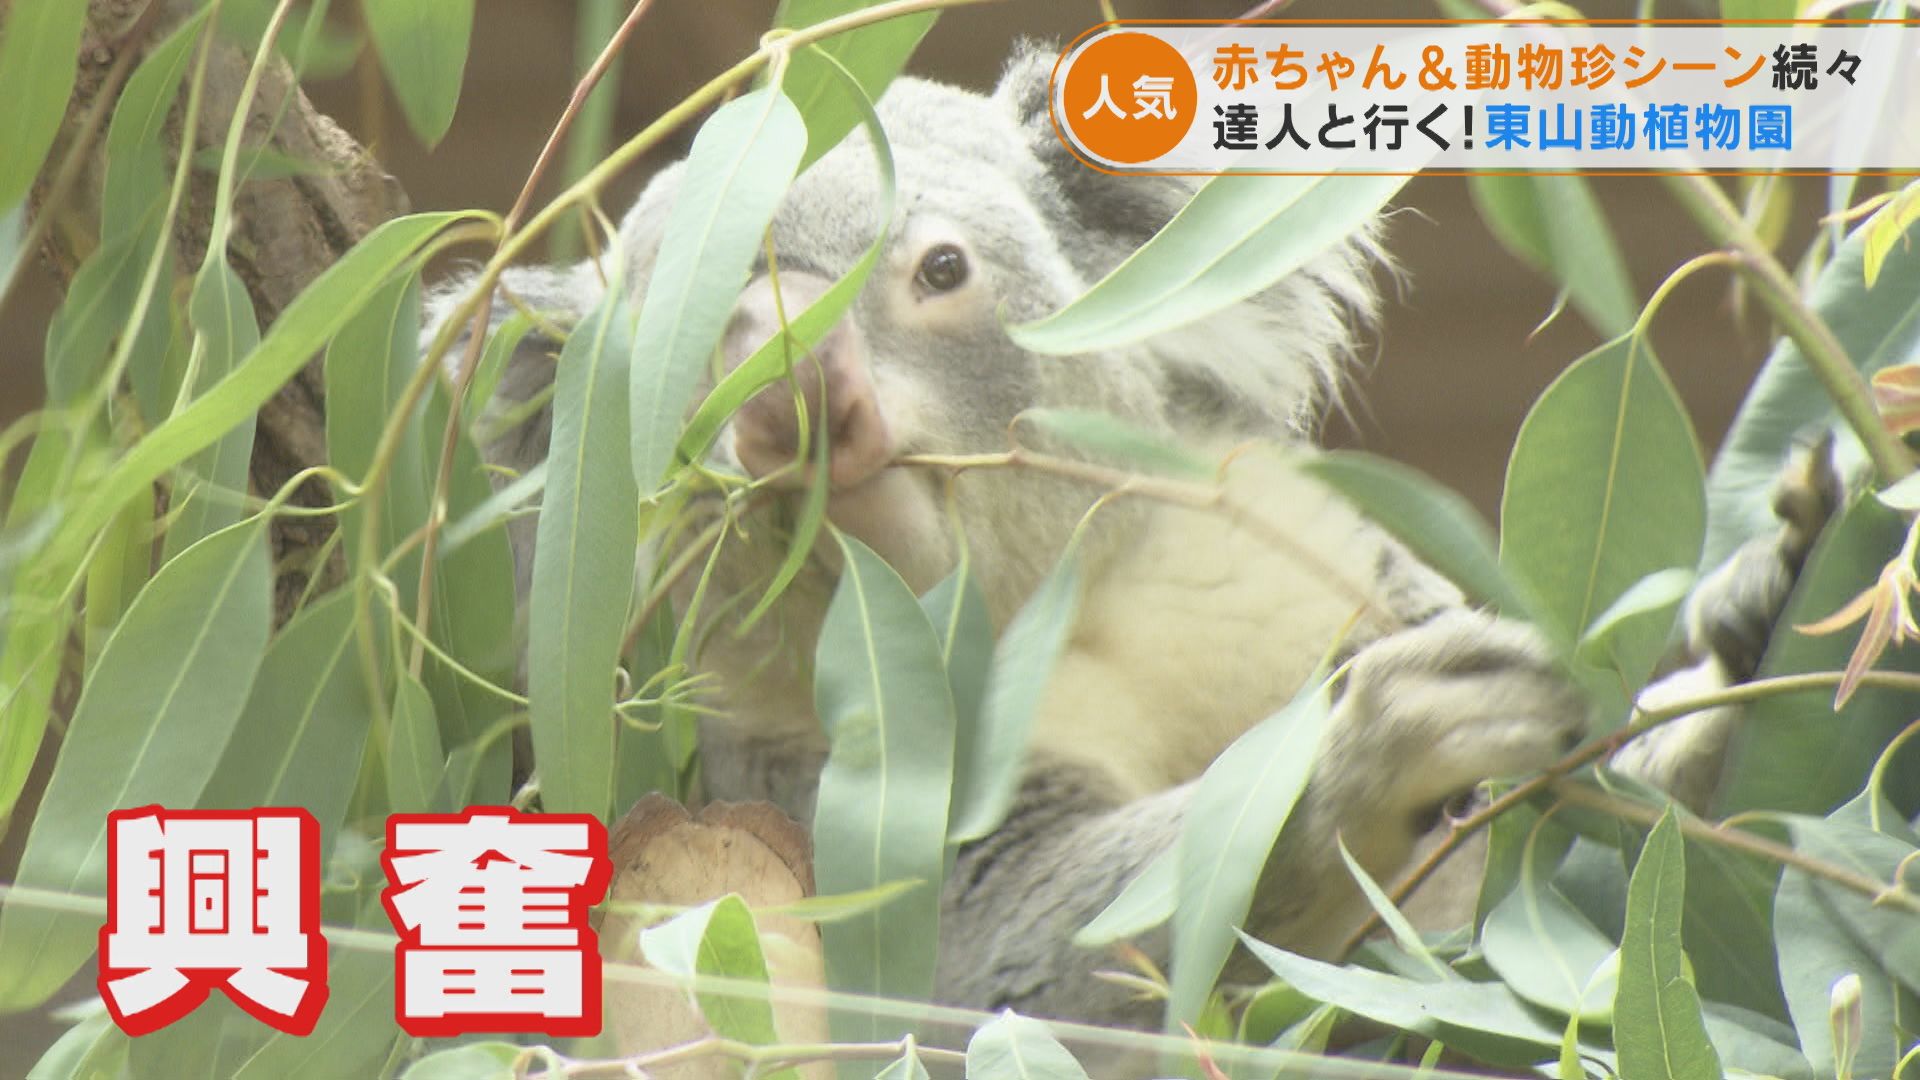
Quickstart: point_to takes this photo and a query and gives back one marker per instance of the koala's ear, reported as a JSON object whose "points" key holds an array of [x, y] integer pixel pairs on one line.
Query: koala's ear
{"points": [[1128, 209]]}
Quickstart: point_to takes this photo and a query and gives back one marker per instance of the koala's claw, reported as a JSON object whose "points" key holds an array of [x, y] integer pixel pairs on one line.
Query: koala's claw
{"points": [[1733, 611], [1428, 713]]}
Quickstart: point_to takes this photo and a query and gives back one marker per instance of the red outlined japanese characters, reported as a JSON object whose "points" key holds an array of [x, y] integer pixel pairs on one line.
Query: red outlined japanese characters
{"points": [[199, 900], [491, 905]]}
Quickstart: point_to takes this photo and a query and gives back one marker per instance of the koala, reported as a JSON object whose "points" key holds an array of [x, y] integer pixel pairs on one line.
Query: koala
{"points": [[1192, 625]]}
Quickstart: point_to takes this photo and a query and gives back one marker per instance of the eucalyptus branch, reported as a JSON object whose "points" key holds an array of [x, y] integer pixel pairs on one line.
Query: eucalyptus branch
{"points": [[1645, 720], [1824, 353], [1880, 892]]}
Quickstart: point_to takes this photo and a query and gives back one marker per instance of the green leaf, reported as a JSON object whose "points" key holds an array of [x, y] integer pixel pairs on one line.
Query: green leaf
{"points": [[1555, 223], [906, 1067], [1451, 1010], [881, 812], [474, 1061], [1792, 751], [79, 1050], [354, 1034], [117, 574], [1543, 948], [303, 731], [306, 324], [1391, 917], [224, 322], [473, 597], [738, 171], [773, 360], [415, 761], [718, 939], [1875, 326], [1436, 524], [162, 702], [136, 176], [39, 49], [98, 306], [873, 55], [1146, 902], [1888, 931], [1815, 950], [1603, 489], [1658, 1029], [423, 50], [1657, 593], [1239, 235], [1107, 438], [40, 611], [990, 756], [368, 365], [500, 348], [1013, 1047], [589, 534], [1236, 812], [957, 608]]}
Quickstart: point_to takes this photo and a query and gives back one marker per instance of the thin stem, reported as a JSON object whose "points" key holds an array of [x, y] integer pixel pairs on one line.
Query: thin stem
{"points": [[1880, 892], [1646, 720], [1824, 353]]}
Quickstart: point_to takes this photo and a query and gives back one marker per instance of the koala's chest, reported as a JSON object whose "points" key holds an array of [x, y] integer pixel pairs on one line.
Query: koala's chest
{"points": [[1207, 623]]}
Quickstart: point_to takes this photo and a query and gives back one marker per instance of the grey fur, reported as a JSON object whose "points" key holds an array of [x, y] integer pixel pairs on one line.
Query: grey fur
{"points": [[1438, 697]]}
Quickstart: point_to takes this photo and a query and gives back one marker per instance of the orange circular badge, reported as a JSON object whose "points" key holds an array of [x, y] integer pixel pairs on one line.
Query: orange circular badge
{"points": [[1128, 98]]}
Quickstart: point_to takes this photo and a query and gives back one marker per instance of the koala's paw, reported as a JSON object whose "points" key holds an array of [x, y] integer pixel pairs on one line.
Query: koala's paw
{"points": [[1733, 611], [1428, 713]]}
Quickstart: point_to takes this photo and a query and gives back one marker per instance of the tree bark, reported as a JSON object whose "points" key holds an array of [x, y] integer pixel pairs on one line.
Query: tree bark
{"points": [[286, 231]]}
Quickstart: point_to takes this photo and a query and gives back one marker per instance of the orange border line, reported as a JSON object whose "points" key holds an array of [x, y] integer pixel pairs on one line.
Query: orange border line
{"points": [[1450, 170]]}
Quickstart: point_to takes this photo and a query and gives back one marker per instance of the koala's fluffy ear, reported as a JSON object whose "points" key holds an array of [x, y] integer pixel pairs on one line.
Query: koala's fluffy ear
{"points": [[1129, 209]]}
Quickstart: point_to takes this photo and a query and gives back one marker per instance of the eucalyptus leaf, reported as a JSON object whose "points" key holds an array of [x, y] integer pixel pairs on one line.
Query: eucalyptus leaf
{"points": [[1014, 1047], [303, 731], [1146, 902], [414, 759], [741, 163], [1555, 223], [583, 565], [227, 330], [1603, 489], [1238, 235], [873, 55], [881, 812], [163, 701], [1234, 816], [38, 62], [423, 50], [990, 756], [1658, 1029], [1875, 326]]}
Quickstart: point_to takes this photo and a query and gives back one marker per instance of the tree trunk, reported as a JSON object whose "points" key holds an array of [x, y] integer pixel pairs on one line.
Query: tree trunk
{"points": [[285, 232]]}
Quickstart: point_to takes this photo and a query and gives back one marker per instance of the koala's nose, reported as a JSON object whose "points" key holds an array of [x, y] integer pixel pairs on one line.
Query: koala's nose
{"points": [[831, 383]]}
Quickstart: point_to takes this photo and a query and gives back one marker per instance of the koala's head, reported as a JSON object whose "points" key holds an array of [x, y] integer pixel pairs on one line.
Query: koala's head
{"points": [[995, 223]]}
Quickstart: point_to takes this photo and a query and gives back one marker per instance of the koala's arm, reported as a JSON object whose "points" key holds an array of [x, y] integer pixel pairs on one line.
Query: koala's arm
{"points": [[1730, 618], [1467, 695]]}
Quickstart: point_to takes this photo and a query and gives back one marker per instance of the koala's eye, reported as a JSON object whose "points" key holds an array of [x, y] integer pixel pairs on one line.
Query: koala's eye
{"points": [[942, 269]]}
